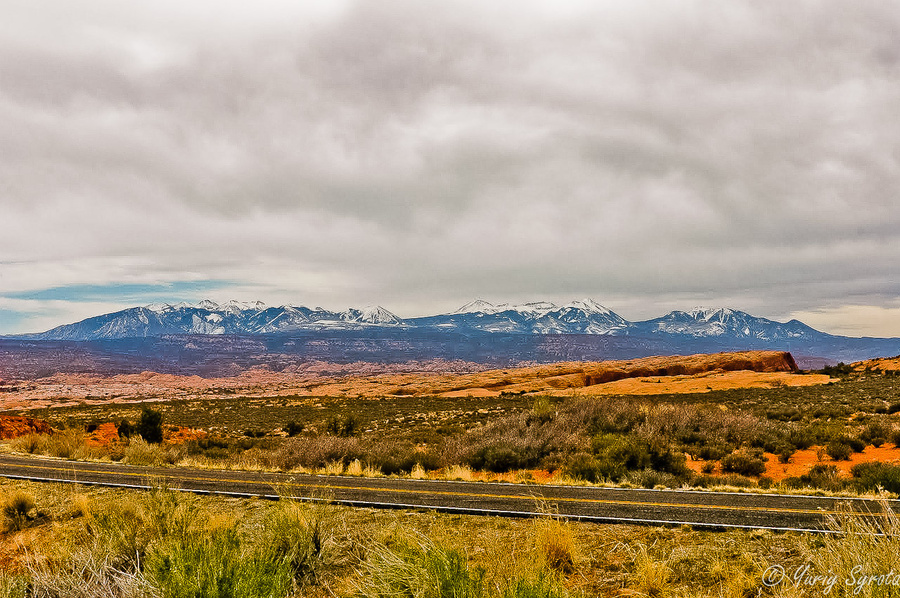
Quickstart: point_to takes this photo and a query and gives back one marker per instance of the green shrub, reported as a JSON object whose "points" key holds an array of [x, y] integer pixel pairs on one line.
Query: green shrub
{"points": [[839, 449], [541, 412], [874, 475], [344, 427], [419, 569], [583, 466], [825, 477], [125, 429], [714, 452], [876, 430], [297, 536], [785, 453], [498, 459], [149, 427], [743, 463], [213, 565]]}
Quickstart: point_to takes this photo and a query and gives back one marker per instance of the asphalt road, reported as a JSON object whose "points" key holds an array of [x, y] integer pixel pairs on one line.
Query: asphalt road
{"points": [[606, 505]]}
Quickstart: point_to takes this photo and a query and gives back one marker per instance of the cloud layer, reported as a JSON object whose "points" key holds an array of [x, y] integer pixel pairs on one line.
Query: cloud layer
{"points": [[649, 154]]}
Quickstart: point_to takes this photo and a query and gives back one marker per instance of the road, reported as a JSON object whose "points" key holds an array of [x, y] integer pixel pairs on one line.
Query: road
{"points": [[607, 505]]}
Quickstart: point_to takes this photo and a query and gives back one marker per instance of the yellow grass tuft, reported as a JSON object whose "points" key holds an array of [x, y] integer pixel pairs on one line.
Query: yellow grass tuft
{"points": [[418, 472], [650, 577], [556, 544], [355, 468], [460, 472], [334, 468]]}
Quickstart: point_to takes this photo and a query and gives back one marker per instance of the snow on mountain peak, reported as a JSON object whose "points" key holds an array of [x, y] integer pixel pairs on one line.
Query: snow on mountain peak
{"points": [[158, 307], [233, 306], [708, 313], [375, 314], [207, 304], [475, 306], [589, 306]]}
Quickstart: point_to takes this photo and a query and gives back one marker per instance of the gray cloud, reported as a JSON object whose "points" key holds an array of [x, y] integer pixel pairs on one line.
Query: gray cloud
{"points": [[649, 154]]}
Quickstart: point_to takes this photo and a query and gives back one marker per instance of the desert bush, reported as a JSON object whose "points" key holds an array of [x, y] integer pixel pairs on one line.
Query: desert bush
{"points": [[713, 452], [419, 568], [30, 443], [140, 452], [82, 576], [214, 564], [541, 412], [64, 444], [149, 426], [13, 586], [17, 507], [874, 475], [649, 576], [877, 430], [839, 449], [799, 438], [125, 429], [743, 463], [299, 537], [344, 427], [293, 428], [785, 453], [118, 532], [315, 452], [499, 458], [822, 476]]}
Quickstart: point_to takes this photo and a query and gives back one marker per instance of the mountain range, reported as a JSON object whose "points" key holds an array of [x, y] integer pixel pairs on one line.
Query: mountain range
{"points": [[212, 339], [584, 316]]}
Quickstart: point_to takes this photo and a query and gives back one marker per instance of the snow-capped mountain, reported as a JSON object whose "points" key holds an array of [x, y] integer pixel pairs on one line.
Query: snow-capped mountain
{"points": [[723, 322], [584, 316], [208, 317]]}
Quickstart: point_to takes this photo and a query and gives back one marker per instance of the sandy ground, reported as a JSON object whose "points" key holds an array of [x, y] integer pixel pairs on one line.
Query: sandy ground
{"points": [[654, 375]]}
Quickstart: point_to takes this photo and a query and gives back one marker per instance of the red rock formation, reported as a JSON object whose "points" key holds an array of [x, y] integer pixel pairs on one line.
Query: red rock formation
{"points": [[756, 361], [13, 426]]}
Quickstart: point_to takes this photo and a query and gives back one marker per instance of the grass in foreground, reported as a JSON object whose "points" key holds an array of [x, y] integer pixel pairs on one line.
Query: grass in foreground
{"points": [[101, 542]]}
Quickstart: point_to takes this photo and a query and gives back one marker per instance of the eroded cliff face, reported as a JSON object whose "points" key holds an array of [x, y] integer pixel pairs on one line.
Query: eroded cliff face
{"points": [[754, 361]]}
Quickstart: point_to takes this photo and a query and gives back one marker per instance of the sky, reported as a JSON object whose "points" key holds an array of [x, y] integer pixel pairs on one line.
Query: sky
{"points": [[652, 155]]}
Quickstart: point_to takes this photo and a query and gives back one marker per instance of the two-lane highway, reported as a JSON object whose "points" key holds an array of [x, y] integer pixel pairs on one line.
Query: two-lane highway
{"points": [[608, 505]]}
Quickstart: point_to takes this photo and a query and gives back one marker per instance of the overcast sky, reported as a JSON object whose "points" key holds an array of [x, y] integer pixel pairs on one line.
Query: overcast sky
{"points": [[417, 155]]}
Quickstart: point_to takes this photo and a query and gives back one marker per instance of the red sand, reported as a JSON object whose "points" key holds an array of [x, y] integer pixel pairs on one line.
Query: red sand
{"points": [[802, 461]]}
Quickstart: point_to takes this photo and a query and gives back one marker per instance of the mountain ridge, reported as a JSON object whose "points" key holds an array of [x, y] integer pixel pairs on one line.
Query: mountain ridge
{"points": [[582, 316]]}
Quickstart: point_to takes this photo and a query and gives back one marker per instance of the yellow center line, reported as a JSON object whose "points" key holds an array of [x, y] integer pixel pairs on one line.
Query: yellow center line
{"points": [[274, 483]]}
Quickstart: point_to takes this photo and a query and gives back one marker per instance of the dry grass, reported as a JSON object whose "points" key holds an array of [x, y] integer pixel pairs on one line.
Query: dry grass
{"points": [[17, 508], [556, 545], [99, 536]]}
